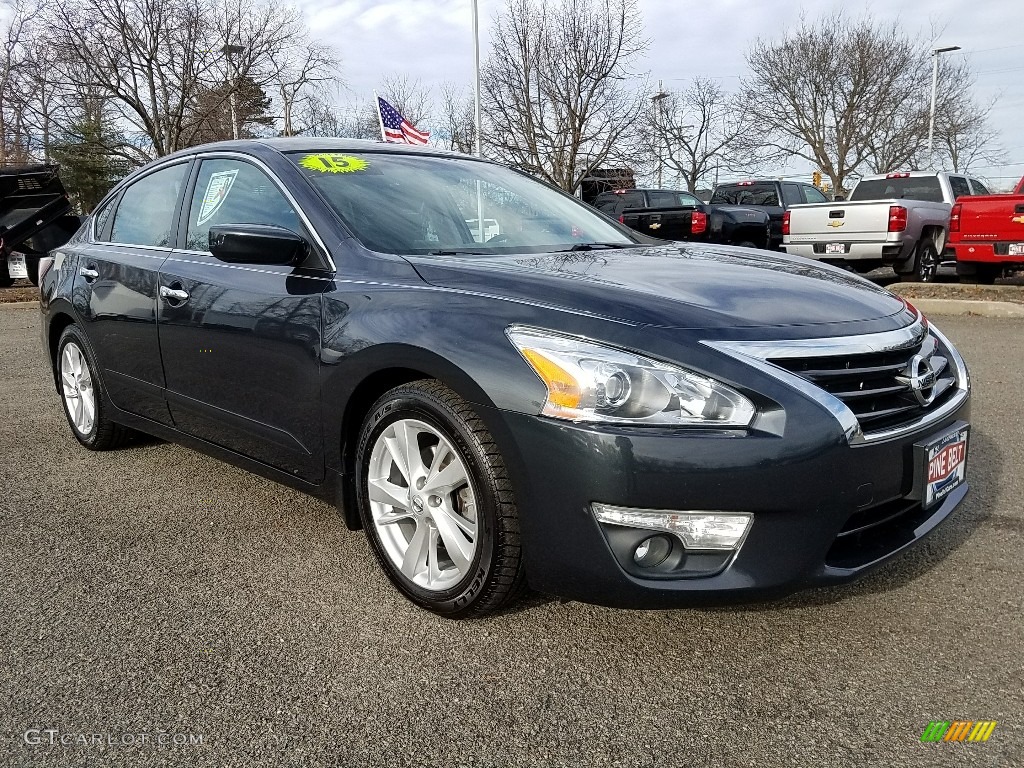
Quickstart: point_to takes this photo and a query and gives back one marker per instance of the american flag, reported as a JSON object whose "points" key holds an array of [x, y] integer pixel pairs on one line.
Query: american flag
{"points": [[397, 129]]}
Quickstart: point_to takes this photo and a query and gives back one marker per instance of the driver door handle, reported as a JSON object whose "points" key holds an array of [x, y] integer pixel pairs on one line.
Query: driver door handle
{"points": [[88, 273], [171, 294]]}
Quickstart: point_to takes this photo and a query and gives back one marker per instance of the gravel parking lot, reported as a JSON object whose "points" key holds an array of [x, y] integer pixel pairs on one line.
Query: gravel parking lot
{"points": [[154, 592]]}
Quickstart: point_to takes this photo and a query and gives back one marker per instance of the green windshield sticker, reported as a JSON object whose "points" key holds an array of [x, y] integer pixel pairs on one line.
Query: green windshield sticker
{"points": [[326, 162]]}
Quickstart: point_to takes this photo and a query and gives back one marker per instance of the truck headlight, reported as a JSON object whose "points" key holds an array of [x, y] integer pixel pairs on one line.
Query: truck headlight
{"points": [[593, 382]]}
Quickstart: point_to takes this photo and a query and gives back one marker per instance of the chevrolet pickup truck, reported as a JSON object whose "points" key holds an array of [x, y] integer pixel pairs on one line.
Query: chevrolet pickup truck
{"points": [[35, 217], [772, 196], [986, 235], [896, 219], [675, 215]]}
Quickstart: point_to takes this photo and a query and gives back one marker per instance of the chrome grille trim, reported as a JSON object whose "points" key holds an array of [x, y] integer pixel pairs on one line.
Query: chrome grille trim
{"points": [[759, 353]]}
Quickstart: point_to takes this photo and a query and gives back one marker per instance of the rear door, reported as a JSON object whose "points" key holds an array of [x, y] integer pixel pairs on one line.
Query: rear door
{"points": [[116, 288], [241, 343]]}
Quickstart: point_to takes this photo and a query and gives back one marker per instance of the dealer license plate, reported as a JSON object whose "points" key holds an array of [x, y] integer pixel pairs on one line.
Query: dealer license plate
{"points": [[945, 466], [835, 248], [1017, 249], [16, 266]]}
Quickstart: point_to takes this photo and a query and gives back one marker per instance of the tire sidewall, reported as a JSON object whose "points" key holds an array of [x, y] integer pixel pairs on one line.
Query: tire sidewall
{"points": [[926, 250], [73, 335], [411, 404]]}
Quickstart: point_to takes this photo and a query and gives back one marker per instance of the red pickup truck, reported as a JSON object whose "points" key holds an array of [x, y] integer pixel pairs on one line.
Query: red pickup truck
{"points": [[986, 234]]}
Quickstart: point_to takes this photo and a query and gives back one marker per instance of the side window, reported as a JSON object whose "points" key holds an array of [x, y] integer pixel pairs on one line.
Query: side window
{"points": [[664, 200], [146, 210], [791, 194], [958, 184], [688, 199], [101, 218], [812, 195], [633, 200], [230, 191], [607, 204], [979, 188]]}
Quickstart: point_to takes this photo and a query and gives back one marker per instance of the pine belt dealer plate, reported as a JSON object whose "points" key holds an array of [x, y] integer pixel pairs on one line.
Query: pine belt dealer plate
{"points": [[16, 266], [945, 464], [1016, 249]]}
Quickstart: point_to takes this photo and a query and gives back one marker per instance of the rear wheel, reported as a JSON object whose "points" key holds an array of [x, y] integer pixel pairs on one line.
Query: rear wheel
{"points": [[6, 281], [81, 392], [436, 502], [926, 264], [984, 274]]}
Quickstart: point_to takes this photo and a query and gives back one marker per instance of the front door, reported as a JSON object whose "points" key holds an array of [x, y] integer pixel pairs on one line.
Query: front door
{"points": [[241, 343]]}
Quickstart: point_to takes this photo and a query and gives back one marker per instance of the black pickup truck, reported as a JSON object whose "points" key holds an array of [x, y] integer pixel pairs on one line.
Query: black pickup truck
{"points": [[675, 215], [35, 217], [772, 196]]}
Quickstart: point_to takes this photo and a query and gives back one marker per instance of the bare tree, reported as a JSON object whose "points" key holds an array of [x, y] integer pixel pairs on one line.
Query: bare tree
{"points": [[302, 70], [700, 132], [557, 97], [162, 63], [847, 95], [15, 41], [456, 129]]}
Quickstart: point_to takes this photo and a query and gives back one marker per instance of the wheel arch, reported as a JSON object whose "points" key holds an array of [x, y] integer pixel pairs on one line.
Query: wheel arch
{"points": [[59, 320], [380, 370]]}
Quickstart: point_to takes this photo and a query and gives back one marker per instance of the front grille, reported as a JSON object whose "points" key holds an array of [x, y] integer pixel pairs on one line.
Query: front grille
{"points": [[873, 533], [878, 386]]}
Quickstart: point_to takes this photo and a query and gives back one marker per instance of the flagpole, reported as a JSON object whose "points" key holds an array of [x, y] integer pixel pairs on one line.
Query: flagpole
{"points": [[380, 117], [476, 66]]}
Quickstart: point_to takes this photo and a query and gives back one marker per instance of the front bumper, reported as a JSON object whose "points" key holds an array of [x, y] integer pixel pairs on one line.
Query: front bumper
{"points": [[802, 490]]}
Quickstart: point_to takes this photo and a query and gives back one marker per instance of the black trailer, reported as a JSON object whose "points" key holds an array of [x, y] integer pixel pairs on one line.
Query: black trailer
{"points": [[35, 218]]}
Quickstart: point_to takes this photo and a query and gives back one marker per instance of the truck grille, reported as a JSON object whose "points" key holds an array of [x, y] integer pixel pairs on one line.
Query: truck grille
{"points": [[883, 389]]}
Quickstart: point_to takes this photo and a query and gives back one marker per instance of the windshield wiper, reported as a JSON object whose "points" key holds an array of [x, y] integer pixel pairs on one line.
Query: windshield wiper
{"points": [[456, 253], [593, 247]]}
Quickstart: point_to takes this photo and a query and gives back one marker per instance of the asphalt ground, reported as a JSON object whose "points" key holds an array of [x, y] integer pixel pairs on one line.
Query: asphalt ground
{"points": [[153, 594]]}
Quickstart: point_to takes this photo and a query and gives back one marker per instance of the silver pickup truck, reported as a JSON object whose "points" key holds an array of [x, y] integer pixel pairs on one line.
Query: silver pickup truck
{"points": [[895, 219]]}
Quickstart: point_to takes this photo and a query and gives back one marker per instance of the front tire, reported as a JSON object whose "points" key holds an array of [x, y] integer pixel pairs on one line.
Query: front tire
{"points": [[436, 502], [81, 393]]}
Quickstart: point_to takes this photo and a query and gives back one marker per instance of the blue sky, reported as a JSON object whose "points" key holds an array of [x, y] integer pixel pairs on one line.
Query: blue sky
{"points": [[431, 39]]}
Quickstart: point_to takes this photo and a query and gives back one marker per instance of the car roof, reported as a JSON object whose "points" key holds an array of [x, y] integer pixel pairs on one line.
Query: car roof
{"points": [[317, 144]]}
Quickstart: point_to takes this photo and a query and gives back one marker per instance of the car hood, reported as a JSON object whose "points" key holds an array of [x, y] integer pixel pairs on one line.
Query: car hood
{"points": [[672, 286]]}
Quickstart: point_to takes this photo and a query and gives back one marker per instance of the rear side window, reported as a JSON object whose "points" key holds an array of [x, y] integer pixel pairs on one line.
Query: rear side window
{"points": [[979, 188], [907, 188], [607, 204], [812, 195], [146, 210], [791, 194], [664, 200], [959, 187], [633, 200], [746, 194], [235, 192], [688, 199]]}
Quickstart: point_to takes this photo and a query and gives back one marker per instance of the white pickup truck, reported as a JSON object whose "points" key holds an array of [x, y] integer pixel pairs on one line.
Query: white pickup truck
{"points": [[895, 219]]}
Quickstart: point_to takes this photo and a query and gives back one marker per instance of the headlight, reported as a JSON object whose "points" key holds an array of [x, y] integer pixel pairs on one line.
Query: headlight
{"points": [[593, 382]]}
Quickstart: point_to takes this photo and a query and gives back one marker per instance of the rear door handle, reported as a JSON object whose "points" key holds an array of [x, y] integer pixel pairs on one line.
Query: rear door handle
{"points": [[173, 294], [89, 273]]}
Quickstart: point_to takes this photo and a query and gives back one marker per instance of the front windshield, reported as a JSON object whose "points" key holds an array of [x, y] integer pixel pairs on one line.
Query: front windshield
{"points": [[419, 204]]}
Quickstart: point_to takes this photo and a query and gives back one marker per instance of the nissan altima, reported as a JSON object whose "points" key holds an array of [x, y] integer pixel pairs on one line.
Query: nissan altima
{"points": [[500, 385]]}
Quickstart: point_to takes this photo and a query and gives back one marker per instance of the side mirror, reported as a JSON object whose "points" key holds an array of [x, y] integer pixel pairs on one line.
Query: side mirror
{"points": [[838, 198], [257, 244]]}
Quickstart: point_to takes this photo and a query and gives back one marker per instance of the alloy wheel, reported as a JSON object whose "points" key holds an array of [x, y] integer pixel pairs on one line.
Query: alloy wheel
{"points": [[422, 504], [77, 386]]}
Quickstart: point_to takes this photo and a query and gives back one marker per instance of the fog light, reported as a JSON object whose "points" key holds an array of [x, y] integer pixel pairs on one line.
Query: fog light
{"points": [[652, 552], [696, 529]]}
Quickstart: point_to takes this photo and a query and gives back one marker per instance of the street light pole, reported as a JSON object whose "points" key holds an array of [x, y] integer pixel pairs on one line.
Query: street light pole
{"points": [[656, 99], [935, 87], [229, 51], [476, 82]]}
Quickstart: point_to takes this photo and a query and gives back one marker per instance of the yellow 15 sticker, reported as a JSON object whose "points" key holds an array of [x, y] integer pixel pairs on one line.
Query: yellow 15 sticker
{"points": [[327, 162]]}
